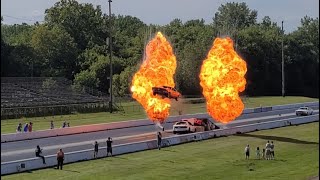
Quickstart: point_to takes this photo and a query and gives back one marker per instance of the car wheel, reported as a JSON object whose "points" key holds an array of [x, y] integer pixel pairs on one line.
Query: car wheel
{"points": [[174, 132], [154, 93], [176, 99]]}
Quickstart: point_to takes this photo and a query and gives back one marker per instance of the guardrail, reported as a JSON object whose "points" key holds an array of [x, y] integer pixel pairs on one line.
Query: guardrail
{"points": [[36, 163], [127, 124]]}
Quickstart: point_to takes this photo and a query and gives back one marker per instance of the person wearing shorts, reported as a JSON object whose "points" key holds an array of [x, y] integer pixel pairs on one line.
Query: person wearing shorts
{"points": [[272, 150], [247, 151], [268, 150]]}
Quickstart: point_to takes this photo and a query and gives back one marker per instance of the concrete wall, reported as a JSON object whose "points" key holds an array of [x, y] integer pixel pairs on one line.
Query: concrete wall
{"points": [[36, 163], [126, 124]]}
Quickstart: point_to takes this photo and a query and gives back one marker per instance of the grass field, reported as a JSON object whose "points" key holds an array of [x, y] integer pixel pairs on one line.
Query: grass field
{"points": [[296, 152], [134, 111]]}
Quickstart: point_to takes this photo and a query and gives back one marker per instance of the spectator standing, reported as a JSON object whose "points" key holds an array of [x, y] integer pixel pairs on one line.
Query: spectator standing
{"points": [[109, 146], [263, 153], [268, 150], [25, 129], [64, 124], [60, 158], [159, 138], [30, 127], [68, 124], [51, 125], [38, 154], [247, 151], [272, 150], [19, 128], [96, 148], [258, 153]]}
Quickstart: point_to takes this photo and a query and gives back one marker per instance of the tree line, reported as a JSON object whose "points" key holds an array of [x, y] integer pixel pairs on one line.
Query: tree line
{"points": [[71, 43]]}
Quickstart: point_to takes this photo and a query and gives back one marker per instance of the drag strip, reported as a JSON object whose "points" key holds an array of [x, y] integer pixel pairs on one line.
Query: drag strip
{"points": [[26, 149]]}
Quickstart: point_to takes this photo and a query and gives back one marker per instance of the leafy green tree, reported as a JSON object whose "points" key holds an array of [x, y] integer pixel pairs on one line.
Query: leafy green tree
{"points": [[232, 17], [56, 51], [17, 34], [83, 22], [302, 59], [86, 78]]}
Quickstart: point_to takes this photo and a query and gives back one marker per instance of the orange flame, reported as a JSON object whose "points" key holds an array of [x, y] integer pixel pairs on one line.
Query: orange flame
{"points": [[156, 70], [222, 77]]}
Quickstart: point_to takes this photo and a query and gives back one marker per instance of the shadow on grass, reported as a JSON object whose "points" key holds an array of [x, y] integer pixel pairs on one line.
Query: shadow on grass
{"points": [[71, 171], [277, 138], [169, 150]]}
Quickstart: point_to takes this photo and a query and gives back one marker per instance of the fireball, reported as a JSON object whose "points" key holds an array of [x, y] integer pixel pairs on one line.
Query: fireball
{"points": [[157, 70], [222, 78]]}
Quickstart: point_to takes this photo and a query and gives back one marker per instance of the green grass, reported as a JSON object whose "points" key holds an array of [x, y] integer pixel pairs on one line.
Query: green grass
{"points": [[134, 111], [296, 152]]}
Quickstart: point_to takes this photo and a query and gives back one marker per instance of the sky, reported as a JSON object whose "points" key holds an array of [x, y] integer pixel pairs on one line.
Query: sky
{"points": [[164, 11]]}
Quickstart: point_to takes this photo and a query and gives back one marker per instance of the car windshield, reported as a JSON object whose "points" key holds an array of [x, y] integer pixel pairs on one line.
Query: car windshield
{"points": [[304, 108], [181, 123]]}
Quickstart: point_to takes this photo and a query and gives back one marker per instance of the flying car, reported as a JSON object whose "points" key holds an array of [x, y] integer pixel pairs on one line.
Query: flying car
{"points": [[166, 92]]}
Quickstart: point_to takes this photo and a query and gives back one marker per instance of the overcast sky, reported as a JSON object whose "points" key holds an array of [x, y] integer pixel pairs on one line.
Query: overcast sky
{"points": [[162, 12]]}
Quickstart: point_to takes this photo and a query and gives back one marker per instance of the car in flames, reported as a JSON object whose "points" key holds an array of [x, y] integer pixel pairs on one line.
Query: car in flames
{"points": [[304, 111], [166, 92], [193, 125]]}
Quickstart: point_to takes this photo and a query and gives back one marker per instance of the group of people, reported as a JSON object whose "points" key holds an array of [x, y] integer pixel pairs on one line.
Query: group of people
{"points": [[64, 124], [109, 148], [60, 157], [27, 127], [267, 152]]}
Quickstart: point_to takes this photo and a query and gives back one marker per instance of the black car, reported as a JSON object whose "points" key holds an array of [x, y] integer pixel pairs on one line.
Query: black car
{"points": [[166, 92]]}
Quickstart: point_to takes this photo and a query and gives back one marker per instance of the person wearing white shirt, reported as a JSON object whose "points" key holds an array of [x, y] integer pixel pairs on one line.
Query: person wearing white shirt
{"points": [[247, 151], [268, 150]]}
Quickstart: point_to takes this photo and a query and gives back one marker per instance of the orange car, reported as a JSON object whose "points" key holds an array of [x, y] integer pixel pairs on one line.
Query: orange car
{"points": [[166, 92]]}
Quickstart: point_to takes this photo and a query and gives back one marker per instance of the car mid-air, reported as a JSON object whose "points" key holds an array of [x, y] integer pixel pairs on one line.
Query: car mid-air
{"points": [[304, 111], [166, 92]]}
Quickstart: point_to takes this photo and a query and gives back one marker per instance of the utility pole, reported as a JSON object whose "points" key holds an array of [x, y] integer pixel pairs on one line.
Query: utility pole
{"points": [[110, 57], [282, 64]]}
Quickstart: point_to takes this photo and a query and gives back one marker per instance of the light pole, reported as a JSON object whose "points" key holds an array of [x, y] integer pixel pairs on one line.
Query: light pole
{"points": [[110, 56], [282, 63]]}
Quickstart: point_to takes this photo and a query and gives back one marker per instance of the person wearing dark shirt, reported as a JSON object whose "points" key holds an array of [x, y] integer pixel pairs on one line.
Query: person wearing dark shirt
{"points": [[109, 146], [96, 148], [38, 154], [60, 158], [159, 138], [25, 129], [19, 128], [51, 125]]}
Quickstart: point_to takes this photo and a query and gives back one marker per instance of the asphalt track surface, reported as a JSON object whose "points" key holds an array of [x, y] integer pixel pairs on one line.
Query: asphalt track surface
{"points": [[12, 151]]}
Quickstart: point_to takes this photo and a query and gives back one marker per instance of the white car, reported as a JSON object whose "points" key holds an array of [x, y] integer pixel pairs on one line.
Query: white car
{"points": [[304, 111], [187, 125]]}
